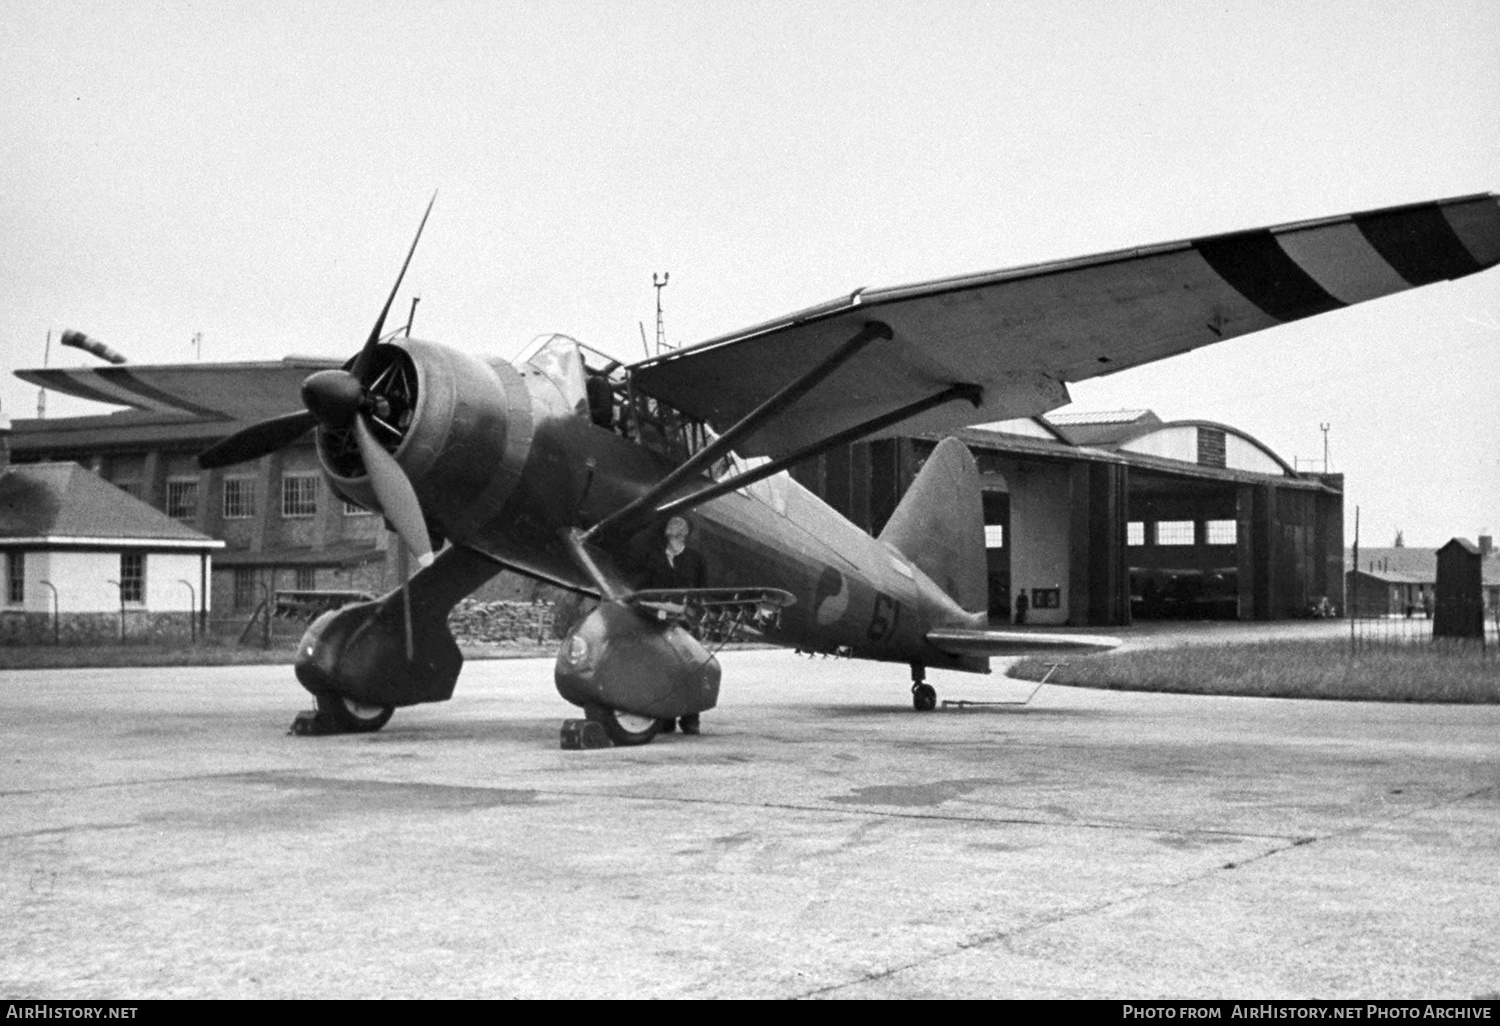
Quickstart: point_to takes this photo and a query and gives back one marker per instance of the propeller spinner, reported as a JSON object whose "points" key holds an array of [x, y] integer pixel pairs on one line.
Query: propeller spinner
{"points": [[337, 400]]}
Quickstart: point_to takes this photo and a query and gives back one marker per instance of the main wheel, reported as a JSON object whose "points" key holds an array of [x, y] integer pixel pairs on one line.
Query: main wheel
{"points": [[923, 697], [354, 717], [624, 729]]}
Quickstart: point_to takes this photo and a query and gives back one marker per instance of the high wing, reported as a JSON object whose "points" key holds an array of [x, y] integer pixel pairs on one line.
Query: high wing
{"points": [[243, 392], [1021, 335]]}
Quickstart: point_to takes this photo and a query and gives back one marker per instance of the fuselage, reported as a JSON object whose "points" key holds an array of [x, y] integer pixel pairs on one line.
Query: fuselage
{"points": [[505, 459]]}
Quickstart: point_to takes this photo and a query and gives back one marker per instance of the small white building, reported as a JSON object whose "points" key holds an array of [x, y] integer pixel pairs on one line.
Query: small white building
{"points": [[84, 562]]}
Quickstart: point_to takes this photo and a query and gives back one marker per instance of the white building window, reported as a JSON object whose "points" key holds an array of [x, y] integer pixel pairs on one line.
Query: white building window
{"points": [[1222, 532], [182, 498], [1174, 532], [299, 495], [132, 577], [239, 498], [1135, 532], [994, 536]]}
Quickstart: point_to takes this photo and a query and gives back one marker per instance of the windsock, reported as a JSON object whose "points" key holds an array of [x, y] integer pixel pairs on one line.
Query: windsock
{"points": [[78, 340]]}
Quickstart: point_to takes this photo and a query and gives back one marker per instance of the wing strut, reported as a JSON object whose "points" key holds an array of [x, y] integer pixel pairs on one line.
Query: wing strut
{"points": [[706, 456], [973, 393]]}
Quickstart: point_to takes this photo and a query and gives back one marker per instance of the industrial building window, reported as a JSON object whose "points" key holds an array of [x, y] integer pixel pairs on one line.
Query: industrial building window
{"points": [[132, 577], [1046, 598], [1222, 532], [244, 586], [182, 498], [1174, 532], [307, 578], [354, 510], [299, 495], [239, 498], [994, 536], [15, 578], [1135, 532]]}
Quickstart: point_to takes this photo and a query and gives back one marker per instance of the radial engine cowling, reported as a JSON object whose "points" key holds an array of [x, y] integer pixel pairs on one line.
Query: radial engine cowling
{"points": [[459, 426], [618, 660]]}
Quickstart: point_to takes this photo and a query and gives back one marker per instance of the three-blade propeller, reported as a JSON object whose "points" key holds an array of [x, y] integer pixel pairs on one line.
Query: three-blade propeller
{"points": [[341, 400]]}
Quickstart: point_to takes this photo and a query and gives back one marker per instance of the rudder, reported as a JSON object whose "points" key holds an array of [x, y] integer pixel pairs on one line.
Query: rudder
{"points": [[939, 525]]}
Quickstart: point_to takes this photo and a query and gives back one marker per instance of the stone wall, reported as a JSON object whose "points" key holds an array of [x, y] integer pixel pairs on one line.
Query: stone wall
{"points": [[477, 622], [473, 622]]}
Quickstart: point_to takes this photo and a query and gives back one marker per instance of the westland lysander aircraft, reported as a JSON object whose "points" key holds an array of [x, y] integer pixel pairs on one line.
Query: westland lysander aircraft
{"points": [[565, 465]]}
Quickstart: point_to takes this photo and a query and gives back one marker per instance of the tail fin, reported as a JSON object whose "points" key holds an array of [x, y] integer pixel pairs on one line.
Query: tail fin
{"points": [[939, 525]]}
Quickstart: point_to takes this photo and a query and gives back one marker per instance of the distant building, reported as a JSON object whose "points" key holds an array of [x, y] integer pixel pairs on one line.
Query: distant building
{"points": [[1389, 581], [1098, 518], [279, 526], [1103, 518], [85, 562]]}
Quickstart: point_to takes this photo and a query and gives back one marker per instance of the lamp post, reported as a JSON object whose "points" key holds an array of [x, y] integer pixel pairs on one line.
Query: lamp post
{"points": [[56, 620], [192, 609]]}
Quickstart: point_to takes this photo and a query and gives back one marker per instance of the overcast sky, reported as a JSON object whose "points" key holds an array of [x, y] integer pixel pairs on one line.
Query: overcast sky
{"points": [[254, 171]]}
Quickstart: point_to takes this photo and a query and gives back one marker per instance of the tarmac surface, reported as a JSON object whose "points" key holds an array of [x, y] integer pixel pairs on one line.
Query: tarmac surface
{"points": [[161, 835]]}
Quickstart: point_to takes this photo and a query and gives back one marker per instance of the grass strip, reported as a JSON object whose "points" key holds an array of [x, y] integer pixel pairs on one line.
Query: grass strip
{"points": [[1323, 669]]}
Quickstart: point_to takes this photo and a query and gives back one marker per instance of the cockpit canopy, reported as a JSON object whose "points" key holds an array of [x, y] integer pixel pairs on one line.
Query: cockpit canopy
{"points": [[597, 386]]}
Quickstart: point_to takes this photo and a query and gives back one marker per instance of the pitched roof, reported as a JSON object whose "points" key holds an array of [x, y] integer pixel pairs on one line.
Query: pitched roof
{"points": [[1102, 428], [1411, 565], [62, 503]]}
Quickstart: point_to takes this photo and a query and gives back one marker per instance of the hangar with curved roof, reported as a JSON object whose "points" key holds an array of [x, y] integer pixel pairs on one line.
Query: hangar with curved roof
{"points": [[1099, 519]]}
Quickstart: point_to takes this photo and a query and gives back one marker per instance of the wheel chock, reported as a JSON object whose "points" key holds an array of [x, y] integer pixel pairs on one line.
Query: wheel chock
{"points": [[579, 734], [312, 723]]}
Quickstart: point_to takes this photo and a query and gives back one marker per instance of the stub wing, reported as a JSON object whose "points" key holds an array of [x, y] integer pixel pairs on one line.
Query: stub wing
{"points": [[714, 614], [959, 641], [1023, 334]]}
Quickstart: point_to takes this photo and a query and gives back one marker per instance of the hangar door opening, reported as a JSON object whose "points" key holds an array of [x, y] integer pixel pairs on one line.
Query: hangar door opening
{"points": [[1182, 548], [997, 552]]}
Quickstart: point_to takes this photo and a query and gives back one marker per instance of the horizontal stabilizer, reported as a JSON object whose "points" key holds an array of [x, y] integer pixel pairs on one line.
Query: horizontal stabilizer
{"points": [[1005, 643]]}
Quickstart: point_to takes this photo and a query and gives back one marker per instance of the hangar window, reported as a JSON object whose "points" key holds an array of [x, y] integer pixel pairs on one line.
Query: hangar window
{"points": [[1046, 598], [352, 509], [132, 577], [994, 536], [1174, 532], [1222, 532], [239, 498], [299, 495], [15, 585], [1135, 532], [1210, 447], [182, 498]]}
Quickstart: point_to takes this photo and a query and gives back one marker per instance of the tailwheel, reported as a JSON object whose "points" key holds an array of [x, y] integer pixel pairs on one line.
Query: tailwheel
{"points": [[923, 695], [353, 717], [623, 728]]}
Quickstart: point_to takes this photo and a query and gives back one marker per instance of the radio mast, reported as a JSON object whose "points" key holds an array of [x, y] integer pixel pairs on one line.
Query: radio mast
{"points": [[661, 330]]}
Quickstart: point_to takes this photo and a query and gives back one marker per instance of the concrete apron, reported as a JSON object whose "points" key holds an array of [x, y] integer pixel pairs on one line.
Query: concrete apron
{"points": [[162, 836]]}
